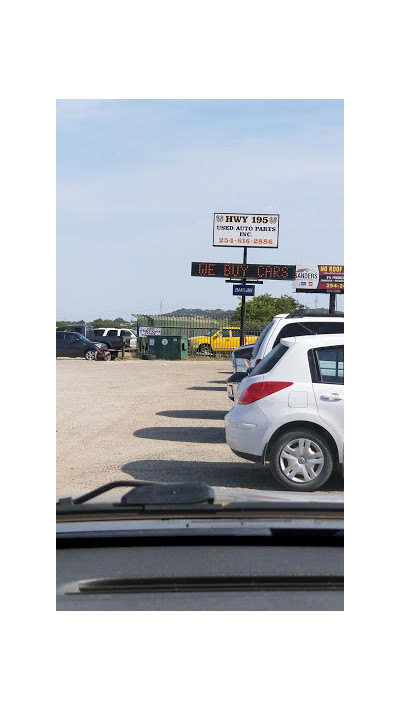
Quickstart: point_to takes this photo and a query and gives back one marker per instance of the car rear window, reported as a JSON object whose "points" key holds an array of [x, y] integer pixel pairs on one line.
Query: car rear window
{"points": [[270, 360]]}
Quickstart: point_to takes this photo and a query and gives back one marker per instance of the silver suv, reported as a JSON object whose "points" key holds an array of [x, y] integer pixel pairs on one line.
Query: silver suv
{"points": [[283, 326]]}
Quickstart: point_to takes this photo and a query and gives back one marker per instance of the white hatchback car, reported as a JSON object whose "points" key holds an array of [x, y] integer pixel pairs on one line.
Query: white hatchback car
{"points": [[289, 411]]}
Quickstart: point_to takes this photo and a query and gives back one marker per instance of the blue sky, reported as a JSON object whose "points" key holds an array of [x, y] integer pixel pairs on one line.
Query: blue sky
{"points": [[138, 183]]}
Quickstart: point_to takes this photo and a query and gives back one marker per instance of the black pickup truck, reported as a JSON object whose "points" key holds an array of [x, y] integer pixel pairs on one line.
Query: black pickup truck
{"points": [[113, 338]]}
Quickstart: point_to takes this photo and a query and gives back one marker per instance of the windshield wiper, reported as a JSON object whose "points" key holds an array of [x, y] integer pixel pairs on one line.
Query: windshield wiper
{"points": [[175, 497]]}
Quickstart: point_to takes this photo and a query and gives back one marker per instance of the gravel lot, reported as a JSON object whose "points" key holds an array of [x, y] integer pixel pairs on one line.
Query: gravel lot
{"points": [[156, 420]]}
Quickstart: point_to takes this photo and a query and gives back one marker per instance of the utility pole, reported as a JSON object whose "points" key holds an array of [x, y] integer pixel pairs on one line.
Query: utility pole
{"points": [[332, 303]]}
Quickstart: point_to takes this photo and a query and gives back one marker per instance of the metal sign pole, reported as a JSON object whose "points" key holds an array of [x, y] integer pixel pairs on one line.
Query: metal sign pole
{"points": [[243, 311]]}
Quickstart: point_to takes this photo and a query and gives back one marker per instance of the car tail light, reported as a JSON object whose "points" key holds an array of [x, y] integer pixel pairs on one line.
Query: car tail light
{"points": [[256, 391]]}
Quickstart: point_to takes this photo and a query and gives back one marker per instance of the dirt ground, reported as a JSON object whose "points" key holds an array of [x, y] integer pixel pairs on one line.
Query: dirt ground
{"points": [[150, 420]]}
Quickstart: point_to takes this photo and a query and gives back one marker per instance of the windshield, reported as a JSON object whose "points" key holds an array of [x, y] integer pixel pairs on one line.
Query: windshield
{"points": [[184, 481], [156, 408]]}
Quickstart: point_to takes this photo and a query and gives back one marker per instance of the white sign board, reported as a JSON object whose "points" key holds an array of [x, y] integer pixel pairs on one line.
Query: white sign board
{"points": [[306, 277], [239, 230], [149, 331]]}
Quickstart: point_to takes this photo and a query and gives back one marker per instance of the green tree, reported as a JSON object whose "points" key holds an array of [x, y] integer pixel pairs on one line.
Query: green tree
{"points": [[263, 308]]}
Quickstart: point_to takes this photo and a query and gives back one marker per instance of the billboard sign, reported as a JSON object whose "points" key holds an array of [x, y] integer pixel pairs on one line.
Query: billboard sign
{"points": [[240, 230], [321, 277]]}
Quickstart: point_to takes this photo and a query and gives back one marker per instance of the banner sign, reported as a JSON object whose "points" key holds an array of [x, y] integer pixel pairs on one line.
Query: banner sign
{"points": [[239, 230], [149, 331], [244, 271], [322, 277]]}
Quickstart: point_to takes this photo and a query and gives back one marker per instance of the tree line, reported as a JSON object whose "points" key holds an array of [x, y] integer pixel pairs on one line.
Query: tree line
{"points": [[260, 309]]}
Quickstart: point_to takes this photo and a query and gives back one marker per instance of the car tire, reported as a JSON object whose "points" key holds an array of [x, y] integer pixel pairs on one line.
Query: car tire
{"points": [[91, 354], [107, 356], [113, 356], [205, 349], [148, 356], [301, 460]]}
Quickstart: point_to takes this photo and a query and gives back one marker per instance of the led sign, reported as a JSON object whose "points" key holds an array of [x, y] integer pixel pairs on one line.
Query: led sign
{"points": [[227, 270]]}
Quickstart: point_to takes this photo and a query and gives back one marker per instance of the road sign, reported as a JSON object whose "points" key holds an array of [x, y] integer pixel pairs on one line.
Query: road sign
{"points": [[239, 290]]}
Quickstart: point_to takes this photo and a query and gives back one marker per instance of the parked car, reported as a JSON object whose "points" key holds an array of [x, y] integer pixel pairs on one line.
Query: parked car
{"points": [[73, 345], [282, 326], [219, 340], [114, 337], [289, 411], [294, 324], [241, 359]]}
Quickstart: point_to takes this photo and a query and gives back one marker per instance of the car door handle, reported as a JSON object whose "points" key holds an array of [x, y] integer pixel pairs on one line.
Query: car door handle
{"points": [[331, 396]]}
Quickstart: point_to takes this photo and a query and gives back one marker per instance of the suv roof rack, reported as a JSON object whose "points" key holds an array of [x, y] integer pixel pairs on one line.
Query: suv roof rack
{"points": [[318, 314]]}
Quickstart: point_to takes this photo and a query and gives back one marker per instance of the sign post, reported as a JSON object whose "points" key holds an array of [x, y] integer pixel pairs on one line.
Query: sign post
{"points": [[240, 230], [243, 309]]}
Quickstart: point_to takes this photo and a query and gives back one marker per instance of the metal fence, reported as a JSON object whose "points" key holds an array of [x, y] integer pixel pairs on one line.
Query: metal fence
{"points": [[206, 335]]}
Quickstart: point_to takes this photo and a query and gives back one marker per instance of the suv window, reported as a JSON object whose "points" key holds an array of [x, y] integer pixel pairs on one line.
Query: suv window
{"points": [[270, 360], [327, 327], [295, 329], [330, 362], [225, 333], [99, 331], [261, 338], [308, 328], [126, 333], [112, 332]]}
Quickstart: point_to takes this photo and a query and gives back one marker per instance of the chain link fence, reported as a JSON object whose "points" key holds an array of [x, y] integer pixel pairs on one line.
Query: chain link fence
{"points": [[206, 335]]}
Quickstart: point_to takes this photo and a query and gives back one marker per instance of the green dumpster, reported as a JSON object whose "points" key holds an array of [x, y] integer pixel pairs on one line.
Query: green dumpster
{"points": [[167, 347]]}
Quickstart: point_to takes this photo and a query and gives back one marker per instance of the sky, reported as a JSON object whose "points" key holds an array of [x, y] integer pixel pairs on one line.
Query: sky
{"points": [[139, 181]]}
